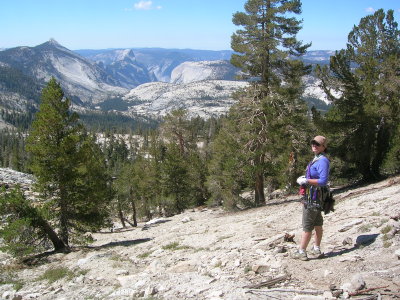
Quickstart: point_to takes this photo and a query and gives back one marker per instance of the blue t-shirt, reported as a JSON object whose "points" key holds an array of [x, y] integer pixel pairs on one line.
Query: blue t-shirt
{"points": [[319, 170]]}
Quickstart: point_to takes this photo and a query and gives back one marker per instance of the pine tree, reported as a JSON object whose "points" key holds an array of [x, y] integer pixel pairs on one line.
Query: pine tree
{"points": [[228, 168], [25, 229], [68, 166], [270, 111], [365, 116]]}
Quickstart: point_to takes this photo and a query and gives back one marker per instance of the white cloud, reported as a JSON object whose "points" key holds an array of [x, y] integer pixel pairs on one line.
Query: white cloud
{"points": [[145, 5], [370, 10]]}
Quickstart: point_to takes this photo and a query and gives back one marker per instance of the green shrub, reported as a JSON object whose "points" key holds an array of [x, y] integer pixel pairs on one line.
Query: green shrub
{"points": [[174, 246], [54, 274], [386, 229]]}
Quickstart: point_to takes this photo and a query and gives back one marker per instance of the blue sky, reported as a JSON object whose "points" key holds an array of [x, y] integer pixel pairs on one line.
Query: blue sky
{"points": [[195, 24]]}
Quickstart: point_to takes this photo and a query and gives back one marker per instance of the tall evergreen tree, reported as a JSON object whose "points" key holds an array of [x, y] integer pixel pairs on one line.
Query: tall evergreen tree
{"points": [[68, 165], [183, 170], [267, 113], [365, 116]]}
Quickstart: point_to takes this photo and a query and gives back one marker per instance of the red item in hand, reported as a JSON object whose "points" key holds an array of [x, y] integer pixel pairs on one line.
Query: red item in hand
{"points": [[302, 190]]}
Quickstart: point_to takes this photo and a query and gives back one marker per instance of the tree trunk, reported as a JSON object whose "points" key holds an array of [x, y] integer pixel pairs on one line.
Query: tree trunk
{"points": [[40, 223], [291, 171], [121, 214], [382, 147], [259, 197], [64, 235], [58, 244], [134, 213]]}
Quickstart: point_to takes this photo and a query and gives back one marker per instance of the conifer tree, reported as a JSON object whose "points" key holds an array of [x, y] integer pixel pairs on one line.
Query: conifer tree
{"points": [[24, 228], [365, 116], [68, 166], [268, 111], [183, 168]]}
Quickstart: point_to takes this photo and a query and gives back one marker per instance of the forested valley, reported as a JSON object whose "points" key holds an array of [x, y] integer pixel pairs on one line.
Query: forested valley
{"points": [[92, 170]]}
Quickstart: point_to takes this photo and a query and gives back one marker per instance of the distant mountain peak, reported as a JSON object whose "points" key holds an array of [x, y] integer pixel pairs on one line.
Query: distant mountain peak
{"points": [[53, 42]]}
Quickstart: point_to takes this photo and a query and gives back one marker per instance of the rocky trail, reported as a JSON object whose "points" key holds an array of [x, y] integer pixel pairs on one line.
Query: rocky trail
{"points": [[208, 253]]}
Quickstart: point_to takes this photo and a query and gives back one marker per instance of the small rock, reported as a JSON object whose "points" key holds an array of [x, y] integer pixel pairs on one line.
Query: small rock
{"points": [[183, 267], [260, 252], [33, 296], [237, 263], [347, 241], [328, 295], [337, 293], [186, 219], [123, 292], [126, 281], [7, 295], [216, 294], [122, 272], [155, 266], [356, 283], [79, 279], [140, 284], [150, 291], [280, 249], [156, 221], [397, 253], [350, 225], [59, 290], [347, 287], [260, 268]]}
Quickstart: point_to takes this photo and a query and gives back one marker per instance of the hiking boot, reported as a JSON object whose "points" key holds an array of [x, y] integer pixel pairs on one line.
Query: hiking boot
{"points": [[316, 252], [301, 256]]}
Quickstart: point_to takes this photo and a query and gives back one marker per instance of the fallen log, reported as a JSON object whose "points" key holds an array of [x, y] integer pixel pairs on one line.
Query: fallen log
{"points": [[372, 297], [304, 292], [360, 292], [268, 283]]}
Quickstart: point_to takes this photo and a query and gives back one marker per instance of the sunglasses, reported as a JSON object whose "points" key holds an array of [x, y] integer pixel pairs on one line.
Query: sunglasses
{"points": [[315, 143]]}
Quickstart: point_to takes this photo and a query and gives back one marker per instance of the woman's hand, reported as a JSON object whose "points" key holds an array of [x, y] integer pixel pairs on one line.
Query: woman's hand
{"points": [[302, 180]]}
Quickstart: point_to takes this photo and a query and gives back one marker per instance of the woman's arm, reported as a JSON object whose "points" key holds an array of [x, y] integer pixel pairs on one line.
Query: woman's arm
{"points": [[313, 182], [323, 172]]}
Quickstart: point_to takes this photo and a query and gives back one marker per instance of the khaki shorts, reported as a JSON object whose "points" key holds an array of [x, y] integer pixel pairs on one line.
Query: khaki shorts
{"points": [[311, 217]]}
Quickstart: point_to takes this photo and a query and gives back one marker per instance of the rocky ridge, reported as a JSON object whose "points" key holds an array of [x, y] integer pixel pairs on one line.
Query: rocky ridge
{"points": [[200, 98], [206, 253], [93, 78]]}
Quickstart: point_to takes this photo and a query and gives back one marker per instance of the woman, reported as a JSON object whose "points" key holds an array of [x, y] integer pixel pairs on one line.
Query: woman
{"points": [[315, 182]]}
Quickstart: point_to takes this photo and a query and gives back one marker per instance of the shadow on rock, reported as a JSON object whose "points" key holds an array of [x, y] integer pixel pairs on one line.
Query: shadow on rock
{"points": [[127, 243], [361, 240], [366, 239], [340, 252]]}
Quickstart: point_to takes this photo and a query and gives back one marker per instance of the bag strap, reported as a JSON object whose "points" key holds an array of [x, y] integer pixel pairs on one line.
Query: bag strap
{"points": [[308, 172]]}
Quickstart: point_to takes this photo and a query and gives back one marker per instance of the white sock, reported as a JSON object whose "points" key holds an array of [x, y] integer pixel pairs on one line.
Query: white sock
{"points": [[317, 248], [302, 251]]}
